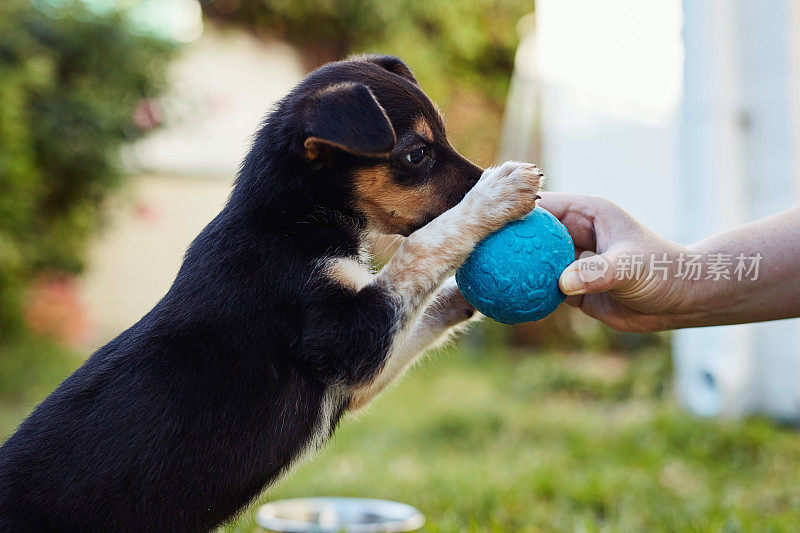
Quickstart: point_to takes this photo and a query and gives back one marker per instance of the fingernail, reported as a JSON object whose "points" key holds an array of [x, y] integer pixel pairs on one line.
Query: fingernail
{"points": [[572, 282]]}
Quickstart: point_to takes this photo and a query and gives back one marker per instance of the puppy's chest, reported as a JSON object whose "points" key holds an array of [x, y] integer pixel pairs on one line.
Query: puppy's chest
{"points": [[351, 272]]}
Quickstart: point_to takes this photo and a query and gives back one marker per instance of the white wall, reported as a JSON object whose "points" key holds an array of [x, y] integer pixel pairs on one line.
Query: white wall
{"points": [[690, 149], [608, 85], [221, 88], [740, 162]]}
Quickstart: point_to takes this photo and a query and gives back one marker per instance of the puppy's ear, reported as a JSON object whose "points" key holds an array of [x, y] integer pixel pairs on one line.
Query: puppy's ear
{"points": [[392, 64], [348, 117]]}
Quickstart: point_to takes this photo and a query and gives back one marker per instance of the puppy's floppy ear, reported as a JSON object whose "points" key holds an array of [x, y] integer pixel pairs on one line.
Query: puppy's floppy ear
{"points": [[348, 117], [392, 64]]}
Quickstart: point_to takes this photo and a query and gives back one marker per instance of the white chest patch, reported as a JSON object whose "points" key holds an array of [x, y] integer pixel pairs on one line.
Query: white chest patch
{"points": [[349, 272]]}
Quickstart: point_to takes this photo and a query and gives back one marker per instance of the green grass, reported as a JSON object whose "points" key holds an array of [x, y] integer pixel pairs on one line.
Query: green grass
{"points": [[30, 367], [555, 442], [526, 441]]}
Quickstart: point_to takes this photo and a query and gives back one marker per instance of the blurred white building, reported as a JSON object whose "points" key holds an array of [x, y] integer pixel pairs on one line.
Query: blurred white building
{"points": [[603, 81], [740, 162], [689, 145]]}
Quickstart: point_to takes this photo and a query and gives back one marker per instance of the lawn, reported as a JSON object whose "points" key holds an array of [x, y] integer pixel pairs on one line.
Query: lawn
{"points": [[524, 441]]}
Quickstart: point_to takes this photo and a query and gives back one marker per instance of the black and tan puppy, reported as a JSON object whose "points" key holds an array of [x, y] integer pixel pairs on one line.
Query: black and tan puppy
{"points": [[274, 326]]}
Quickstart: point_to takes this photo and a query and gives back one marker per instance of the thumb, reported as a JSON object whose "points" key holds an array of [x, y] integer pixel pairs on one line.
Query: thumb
{"points": [[589, 275]]}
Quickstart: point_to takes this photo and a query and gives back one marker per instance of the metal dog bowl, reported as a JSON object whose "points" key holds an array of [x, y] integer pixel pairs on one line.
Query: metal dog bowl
{"points": [[334, 515]]}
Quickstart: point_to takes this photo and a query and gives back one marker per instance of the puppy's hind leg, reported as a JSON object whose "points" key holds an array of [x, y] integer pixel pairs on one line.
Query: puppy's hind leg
{"points": [[447, 313]]}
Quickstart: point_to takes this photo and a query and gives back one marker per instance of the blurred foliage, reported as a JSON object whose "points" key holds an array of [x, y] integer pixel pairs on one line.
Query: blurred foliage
{"points": [[568, 328], [462, 52], [448, 44], [70, 80], [30, 367]]}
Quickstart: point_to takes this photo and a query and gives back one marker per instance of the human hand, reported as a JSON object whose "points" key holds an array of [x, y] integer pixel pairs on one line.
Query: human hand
{"points": [[608, 286]]}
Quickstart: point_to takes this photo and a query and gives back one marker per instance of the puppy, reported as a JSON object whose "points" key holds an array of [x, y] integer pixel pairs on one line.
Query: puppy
{"points": [[274, 326]]}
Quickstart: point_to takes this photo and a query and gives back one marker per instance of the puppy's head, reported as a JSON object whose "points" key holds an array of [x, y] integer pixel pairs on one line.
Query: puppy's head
{"points": [[370, 132]]}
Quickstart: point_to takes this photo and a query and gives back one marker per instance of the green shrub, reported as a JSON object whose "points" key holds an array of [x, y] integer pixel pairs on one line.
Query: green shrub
{"points": [[31, 366], [69, 82]]}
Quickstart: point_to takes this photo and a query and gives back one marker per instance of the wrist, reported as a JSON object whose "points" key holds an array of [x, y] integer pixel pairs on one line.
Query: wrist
{"points": [[703, 298]]}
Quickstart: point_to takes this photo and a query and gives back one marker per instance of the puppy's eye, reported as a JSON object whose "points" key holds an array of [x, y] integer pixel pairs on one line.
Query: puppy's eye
{"points": [[416, 156]]}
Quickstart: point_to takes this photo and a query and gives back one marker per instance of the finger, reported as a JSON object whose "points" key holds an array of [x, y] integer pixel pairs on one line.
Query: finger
{"points": [[555, 202], [574, 301], [589, 275]]}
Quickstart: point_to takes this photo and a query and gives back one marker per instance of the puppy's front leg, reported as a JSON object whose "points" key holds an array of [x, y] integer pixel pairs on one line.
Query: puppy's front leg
{"points": [[441, 318], [429, 255]]}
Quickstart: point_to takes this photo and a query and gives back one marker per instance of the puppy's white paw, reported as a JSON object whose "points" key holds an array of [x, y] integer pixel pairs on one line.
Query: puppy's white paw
{"points": [[507, 192]]}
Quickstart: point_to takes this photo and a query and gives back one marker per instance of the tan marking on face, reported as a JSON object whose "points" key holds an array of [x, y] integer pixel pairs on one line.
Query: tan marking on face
{"points": [[311, 149], [390, 207], [423, 129], [349, 272]]}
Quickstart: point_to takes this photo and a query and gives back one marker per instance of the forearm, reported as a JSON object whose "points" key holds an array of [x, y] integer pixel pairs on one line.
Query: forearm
{"points": [[770, 293]]}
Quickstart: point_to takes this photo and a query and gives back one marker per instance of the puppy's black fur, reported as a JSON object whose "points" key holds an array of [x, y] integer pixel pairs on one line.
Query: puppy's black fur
{"points": [[252, 356]]}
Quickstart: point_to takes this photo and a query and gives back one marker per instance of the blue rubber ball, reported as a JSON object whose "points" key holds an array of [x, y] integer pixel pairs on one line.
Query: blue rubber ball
{"points": [[512, 275]]}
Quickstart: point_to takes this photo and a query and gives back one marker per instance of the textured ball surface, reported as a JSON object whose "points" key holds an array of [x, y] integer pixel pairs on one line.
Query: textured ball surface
{"points": [[512, 275]]}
